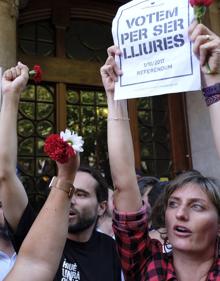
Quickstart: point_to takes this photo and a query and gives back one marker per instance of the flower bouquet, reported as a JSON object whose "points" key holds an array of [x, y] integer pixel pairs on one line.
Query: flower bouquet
{"points": [[60, 147]]}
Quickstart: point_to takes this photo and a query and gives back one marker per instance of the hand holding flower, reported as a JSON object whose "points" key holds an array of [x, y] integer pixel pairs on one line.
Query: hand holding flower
{"points": [[206, 46], [61, 147], [14, 80], [199, 7]]}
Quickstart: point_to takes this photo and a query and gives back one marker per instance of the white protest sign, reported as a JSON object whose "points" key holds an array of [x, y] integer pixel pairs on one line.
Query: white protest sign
{"points": [[157, 56]]}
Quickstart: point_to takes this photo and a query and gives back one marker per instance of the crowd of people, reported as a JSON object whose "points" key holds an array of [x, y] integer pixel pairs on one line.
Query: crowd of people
{"points": [[72, 237]]}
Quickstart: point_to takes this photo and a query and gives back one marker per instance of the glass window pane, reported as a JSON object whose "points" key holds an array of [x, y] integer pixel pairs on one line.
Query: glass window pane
{"points": [[40, 146], [29, 93], [45, 94], [72, 97], [73, 118], [25, 128], [87, 97], [88, 118], [102, 113], [154, 136], [26, 147], [37, 119], [37, 38], [145, 117], [45, 32], [44, 49], [27, 109], [88, 40], [44, 110], [27, 31], [88, 115], [101, 98], [44, 128], [27, 47]]}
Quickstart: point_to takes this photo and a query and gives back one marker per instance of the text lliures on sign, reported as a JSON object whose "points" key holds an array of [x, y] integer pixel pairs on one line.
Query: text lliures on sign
{"points": [[146, 46]]}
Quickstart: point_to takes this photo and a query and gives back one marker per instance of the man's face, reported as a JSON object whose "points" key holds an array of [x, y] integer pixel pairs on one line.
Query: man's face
{"points": [[84, 204]]}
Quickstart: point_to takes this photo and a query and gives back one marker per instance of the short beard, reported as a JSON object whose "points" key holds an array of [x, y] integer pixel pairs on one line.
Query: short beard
{"points": [[4, 233], [82, 225]]}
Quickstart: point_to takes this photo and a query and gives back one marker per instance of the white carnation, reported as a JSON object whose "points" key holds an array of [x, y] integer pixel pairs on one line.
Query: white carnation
{"points": [[73, 139]]}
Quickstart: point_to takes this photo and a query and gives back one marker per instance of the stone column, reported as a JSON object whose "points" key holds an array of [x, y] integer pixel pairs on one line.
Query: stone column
{"points": [[8, 46]]}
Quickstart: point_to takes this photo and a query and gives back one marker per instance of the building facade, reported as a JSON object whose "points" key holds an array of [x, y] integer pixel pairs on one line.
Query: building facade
{"points": [[171, 133]]}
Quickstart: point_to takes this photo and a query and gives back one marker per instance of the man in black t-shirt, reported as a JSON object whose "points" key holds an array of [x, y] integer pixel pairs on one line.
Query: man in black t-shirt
{"points": [[88, 255]]}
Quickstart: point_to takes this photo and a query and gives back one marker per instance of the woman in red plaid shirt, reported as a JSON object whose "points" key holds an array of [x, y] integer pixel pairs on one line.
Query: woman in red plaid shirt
{"points": [[191, 203]]}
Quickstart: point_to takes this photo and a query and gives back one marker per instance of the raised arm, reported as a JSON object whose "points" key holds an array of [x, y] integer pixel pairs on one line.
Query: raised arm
{"points": [[13, 195], [41, 260], [121, 155], [207, 48]]}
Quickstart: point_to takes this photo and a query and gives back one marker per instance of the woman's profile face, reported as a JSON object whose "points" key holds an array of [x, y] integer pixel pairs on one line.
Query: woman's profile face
{"points": [[191, 220]]}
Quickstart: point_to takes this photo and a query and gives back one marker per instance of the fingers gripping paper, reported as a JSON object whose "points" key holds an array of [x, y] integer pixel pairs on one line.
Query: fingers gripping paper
{"points": [[157, 56]]}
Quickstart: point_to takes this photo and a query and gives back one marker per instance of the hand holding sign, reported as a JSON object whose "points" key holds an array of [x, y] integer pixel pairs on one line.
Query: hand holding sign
{"points": [[157, 55]]}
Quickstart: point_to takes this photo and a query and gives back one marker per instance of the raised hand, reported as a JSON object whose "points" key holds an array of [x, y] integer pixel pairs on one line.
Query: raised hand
{"points": [[110, 71], [14, 80], [207, 48]]}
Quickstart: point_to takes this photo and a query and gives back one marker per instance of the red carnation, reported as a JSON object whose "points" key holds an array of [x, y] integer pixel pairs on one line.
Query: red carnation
{"points": [[205, 3], [199, 7], [37, 73], [58, 149]]}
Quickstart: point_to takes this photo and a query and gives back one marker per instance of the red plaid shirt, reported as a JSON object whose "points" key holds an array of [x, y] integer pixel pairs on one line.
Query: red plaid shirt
{"points": [[142, 258]]}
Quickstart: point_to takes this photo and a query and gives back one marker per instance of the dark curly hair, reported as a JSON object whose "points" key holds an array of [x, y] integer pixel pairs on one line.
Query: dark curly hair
{"points": [[101, 187]]}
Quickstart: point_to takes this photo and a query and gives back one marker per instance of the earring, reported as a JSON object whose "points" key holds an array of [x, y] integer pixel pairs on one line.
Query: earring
{"points": [[167, 246]]}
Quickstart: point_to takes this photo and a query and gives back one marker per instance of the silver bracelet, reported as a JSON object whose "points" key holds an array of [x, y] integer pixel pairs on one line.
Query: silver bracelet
{"points": [[118, 119]]}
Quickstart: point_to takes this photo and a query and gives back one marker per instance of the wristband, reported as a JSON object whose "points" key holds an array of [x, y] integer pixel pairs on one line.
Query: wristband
{"points": [[211, 90], [212, 99], [63, 185]]}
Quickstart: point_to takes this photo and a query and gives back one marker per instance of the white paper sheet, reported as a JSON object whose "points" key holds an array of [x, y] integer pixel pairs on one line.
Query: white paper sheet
{"points": [[157, 56]]}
